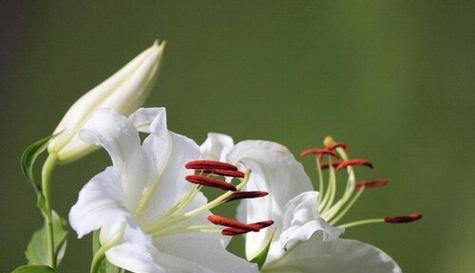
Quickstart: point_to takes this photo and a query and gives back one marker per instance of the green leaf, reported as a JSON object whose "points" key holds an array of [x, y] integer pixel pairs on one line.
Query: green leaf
{"points": [[105, 266], [34, 269], [37, 250], [28, 159], [260, 258]]}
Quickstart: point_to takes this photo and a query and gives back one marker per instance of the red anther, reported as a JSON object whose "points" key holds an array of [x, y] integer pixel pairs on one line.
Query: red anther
{"points": [[354, 162], [338, 145], [229, 173], [209, 165], [327, 165], [262, 224], [318, 151], [222, 221], [233, 231], [245, 195], [372, 183], [211, 182], [403, 219]]}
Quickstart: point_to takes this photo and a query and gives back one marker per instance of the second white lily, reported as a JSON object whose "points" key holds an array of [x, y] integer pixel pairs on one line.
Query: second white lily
{"points": [[301, 241]]}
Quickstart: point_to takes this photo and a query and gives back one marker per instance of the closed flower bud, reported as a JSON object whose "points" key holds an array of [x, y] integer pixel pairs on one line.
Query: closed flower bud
{"points": [[124, 92]]}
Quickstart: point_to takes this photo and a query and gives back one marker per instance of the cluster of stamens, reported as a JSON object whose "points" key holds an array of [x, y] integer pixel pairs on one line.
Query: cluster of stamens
{"points": [[219, 175], [333, 157]]}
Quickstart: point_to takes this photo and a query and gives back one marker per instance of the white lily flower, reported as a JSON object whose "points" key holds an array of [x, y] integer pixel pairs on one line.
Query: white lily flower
{"points": [[151, 219], [302, 240], [124, 92]]}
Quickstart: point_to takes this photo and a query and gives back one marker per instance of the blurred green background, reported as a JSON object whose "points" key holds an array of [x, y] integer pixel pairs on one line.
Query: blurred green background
{"points": [[394, 79]]}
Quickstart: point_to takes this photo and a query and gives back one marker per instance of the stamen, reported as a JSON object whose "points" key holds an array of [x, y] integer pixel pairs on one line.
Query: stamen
{"points": [[222, 221], [210, 165], [211, 182], [318, 151], [372, 183], [245, 195], [403, 219], [231, 231], [328, 164], [354, 162], [262, 224], [228, 173], [334, 146]]}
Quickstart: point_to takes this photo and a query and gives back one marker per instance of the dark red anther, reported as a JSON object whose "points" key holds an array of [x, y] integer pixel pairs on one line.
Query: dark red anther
{"points": [[209, 165], [327, 165], [338, 145], [262, 224], [318, 151], [372, 183], [229, 173], [211, 182], [222, 221], [246, 195], [403, 219], [354, 162], [233, 231]]}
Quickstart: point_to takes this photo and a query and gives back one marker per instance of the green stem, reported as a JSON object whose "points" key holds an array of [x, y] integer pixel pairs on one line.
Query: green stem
{"points": [[101, 252], [46, 175]]}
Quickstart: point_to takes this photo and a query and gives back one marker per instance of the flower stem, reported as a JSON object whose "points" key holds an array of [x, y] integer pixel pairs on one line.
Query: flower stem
{"points": [[101, 252], [46, 175]]}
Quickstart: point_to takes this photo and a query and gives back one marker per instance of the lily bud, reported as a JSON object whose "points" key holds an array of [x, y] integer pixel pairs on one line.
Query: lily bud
{"points": [[124, 92]]}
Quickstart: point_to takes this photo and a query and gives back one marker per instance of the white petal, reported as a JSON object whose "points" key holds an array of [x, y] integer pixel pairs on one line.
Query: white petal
{"points": [[215, 145], [143, 118], [333, 256], [135, 252], [101, 202], [170, 186], [120, 138], [300, 221], [200, 253], [167, 153], [275, 170]]}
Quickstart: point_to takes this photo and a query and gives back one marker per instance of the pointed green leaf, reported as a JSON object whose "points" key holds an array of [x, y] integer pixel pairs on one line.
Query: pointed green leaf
{"points": [[28, 159], [34, 269], [37, 250], [260, 258]]}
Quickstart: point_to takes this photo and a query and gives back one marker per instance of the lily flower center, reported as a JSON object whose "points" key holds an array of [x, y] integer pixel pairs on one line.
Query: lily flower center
{"points": [[213, 174], [334, 157]]}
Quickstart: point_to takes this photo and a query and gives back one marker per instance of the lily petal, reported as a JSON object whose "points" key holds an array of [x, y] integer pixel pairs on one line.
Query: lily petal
{"points": [[143, 118], [203, 252], [135, 252], [120, 138], [300, 221], [216, 145], [333, 256], [100, 203], [274, 170], [168, 153]]}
